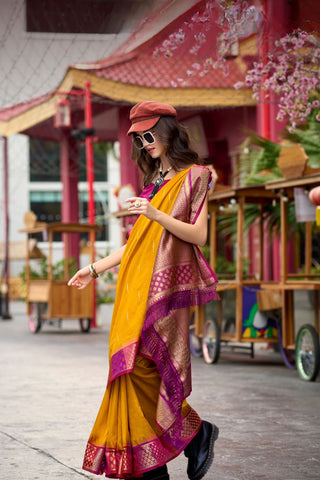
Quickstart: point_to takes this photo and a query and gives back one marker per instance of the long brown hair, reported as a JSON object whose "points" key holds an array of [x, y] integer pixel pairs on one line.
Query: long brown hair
{"points": [[175, 138]]}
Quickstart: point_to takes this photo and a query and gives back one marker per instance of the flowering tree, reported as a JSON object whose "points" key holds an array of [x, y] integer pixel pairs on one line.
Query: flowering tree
{"points": [[232, 19], [291, 70]]}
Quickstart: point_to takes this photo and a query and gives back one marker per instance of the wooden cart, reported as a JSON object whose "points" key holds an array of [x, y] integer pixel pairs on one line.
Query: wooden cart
{"points": [[297, 335], [238, 320], [214, 323], [50, 299]]}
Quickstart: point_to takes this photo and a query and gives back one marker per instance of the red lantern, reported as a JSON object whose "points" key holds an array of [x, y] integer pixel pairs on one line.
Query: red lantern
{"points": [[62, 118], [314, 196]]}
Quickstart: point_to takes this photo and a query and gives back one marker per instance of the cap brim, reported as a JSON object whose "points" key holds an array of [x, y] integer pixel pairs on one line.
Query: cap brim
{"points": [[143, 125]]}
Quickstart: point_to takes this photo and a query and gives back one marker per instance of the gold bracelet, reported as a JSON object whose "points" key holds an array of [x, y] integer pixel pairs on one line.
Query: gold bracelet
{"points": [[92, 271]]}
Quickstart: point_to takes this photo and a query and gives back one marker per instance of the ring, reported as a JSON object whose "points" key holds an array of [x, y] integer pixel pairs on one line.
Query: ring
{"points": [[137, 203]]}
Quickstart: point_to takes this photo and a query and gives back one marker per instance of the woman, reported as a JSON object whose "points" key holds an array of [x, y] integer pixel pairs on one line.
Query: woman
{"points": [[144, 420]]}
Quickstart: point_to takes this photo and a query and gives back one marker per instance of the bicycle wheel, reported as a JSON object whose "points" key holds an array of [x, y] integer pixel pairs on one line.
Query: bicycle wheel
{"points": [[195, 342], [35, 320], [307, 353], [85, 324], [211, 341]]}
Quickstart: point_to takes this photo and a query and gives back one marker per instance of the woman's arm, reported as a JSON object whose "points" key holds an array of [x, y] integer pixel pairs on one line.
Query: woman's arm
{"points": [[82, 278], [193, 233]]}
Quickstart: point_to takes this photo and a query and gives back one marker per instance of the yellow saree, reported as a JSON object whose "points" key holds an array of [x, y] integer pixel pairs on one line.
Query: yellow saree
{"points": [[144, 420]]}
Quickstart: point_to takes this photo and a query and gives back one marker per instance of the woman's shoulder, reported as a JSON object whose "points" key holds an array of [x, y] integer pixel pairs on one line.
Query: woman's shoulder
{"points": [[200, 170], [204, 174]]}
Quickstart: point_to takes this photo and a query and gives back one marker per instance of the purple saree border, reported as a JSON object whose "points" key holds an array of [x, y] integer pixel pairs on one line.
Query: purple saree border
{"points": [[123, 361], [204, 197], [181, 299], [156, 346], [141, 458], [171, 379]]}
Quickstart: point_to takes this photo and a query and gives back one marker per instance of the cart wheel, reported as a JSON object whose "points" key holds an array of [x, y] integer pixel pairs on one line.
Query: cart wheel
{"points": [[35, 320], [307, 353], [211, 341], [85, 324], [195, 342]]}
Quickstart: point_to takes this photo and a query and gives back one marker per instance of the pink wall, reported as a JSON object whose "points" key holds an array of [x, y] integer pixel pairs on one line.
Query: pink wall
{"points": [[225, 130]]}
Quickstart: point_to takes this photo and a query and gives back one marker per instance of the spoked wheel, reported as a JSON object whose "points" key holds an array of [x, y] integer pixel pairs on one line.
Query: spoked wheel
{"points": [[211, 341], [35, 320], [85, 324], [195, 342], [307, 353]]}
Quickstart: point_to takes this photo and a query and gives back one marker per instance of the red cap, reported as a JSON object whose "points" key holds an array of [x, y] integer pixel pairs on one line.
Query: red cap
{"points": [[145, 115]]}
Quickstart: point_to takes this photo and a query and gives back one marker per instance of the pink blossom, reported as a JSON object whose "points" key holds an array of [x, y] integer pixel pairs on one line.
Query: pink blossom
{"points": [[238, 85]]}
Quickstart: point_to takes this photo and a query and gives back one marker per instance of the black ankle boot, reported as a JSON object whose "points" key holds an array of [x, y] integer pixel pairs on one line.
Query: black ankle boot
{"points": [[200, 451], [160, 473]]}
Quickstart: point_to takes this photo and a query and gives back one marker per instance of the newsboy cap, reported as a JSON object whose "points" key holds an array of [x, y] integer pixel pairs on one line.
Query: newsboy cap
{"points": [[145, 115]]}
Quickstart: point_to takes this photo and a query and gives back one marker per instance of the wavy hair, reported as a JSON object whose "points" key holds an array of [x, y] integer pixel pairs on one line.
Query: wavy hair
{"points": [[175, 138]]}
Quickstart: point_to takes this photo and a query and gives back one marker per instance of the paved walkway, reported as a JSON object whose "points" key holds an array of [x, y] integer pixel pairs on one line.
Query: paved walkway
{"points": [[52, 383]]}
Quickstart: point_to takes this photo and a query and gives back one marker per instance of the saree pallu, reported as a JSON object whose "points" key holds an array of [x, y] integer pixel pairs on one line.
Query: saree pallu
{"points": [[144, 420]]}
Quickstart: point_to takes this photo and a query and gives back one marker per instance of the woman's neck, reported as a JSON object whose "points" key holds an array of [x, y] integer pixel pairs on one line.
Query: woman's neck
{"points": [[164, 163]]}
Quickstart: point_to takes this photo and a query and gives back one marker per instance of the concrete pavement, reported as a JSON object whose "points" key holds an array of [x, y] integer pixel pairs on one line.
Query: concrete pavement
{"points": [[52, 384]]}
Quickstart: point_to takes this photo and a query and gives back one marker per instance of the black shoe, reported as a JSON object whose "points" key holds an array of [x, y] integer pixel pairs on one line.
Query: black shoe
{"points": [[200, 451], [160, 473]]}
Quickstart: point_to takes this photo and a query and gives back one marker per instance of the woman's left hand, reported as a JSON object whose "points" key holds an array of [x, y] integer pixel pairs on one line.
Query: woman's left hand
{"points": [[141, 206]]}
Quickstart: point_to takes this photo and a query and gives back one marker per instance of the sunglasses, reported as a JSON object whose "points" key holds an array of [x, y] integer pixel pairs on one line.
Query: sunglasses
{"points": [[148, 137]]}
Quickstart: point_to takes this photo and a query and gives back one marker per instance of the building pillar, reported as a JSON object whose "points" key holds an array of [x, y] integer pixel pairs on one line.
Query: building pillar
{"points": [[69, 170], [128, 169], [276, 24]]}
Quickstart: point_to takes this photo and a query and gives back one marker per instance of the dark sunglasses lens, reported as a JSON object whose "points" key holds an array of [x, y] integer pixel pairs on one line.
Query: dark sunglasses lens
{"points": [[138, 142], [148, 137]]}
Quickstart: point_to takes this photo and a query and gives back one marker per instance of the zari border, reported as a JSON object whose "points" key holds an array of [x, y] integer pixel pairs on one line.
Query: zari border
{"points": [[123, 361], [141, 458]]}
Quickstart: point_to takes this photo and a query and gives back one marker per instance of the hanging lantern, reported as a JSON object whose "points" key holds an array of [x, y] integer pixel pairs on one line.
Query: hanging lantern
{"points": [[62, 118]]}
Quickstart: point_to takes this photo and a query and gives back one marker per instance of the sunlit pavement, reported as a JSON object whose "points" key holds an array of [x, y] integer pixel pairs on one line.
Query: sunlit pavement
{"points": [[52, 383]]}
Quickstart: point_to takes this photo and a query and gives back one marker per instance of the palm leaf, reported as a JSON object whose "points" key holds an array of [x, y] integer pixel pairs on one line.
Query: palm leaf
{"points": [[308, 136], [258, 161]]}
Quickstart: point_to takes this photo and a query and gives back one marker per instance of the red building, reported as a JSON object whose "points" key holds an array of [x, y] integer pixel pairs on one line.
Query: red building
{"points": [[218, 114]]}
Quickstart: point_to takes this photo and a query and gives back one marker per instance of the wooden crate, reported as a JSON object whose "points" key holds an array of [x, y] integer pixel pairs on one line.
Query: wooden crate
{"points": [[269, 299], [292, 161], [68, 302], [38, 291]]}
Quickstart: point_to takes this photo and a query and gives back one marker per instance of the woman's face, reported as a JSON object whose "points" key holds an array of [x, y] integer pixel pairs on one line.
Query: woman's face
{"points": [[150, 142]]}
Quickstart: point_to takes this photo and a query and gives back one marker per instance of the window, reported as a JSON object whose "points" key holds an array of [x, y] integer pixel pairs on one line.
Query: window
{"points": [[47, 207], [101, 208], [46, 199], [100, 152], [44, 161]]}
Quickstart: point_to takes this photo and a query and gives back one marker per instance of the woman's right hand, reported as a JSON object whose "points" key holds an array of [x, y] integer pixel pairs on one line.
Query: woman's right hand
{"points": [[81, 279]]}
